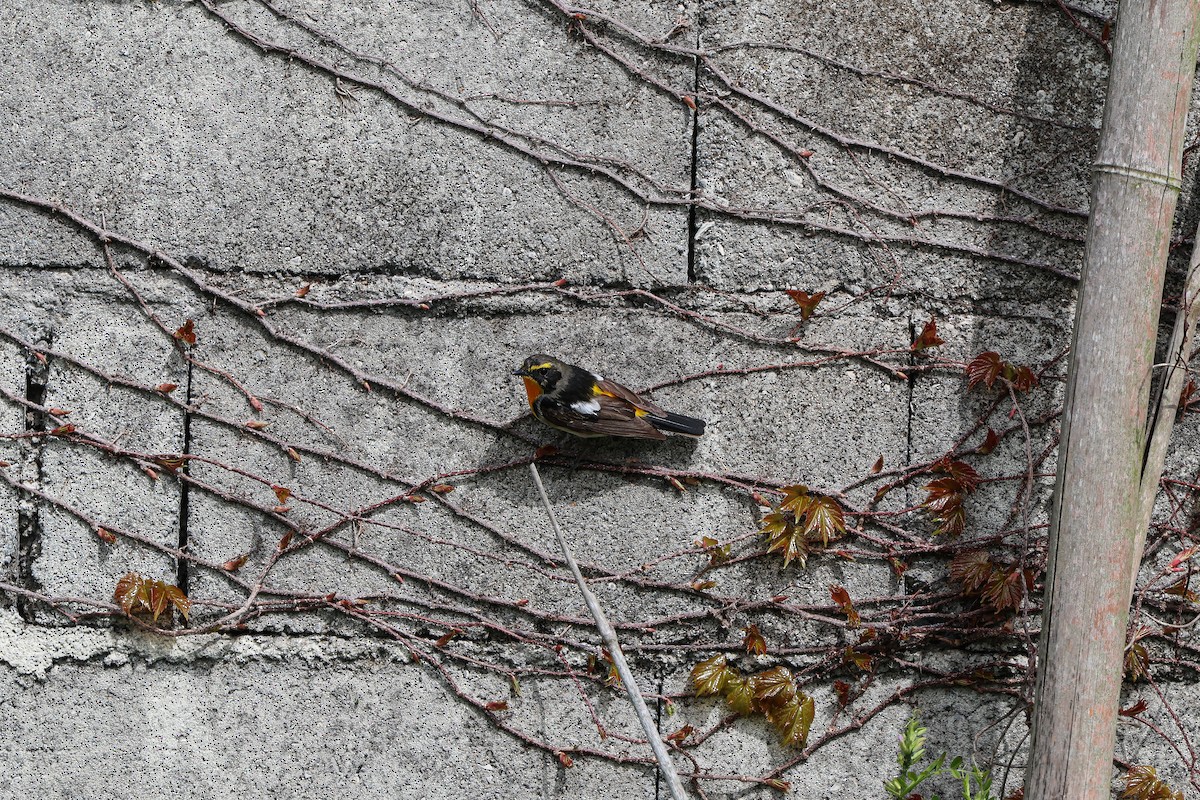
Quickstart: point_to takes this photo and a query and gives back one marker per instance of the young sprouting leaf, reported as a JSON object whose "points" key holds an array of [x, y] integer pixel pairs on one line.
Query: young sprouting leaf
{"points": [[303, 290], [1137, 661], [784, 537], [125, 594], [709, 675], [170, 463], [989, 443], [841, 598], [282, 493], [1143, 783], [497, 705], [778, 784], [928, 338], [842, 690], [739, 695], [944, 504], [1180, 589], [441, 488], [984, 368], [1135, 709], [824, 517], [861, 660], [166, 388], [753, 640], [774, 686], [293, 455], [973, 569], [678, 736], [717, 552], [1022, 378], [1188, 396], [968, 479], [445, 638], [234, 564], [808, 302], [187, 332], [106, 536], [793, 718], [877, 467], [63, 430], [565, 759], [1181, 557], [1004, 590], [137, 594]]}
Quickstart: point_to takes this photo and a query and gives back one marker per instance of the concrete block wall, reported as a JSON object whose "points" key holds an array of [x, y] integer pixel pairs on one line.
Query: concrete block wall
{"points": [[371, 213]]}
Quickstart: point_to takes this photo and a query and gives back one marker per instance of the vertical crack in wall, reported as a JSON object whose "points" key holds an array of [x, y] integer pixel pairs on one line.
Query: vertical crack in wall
{"points": [[181, 565], [29, 521], [910, 387], [691, 239]]}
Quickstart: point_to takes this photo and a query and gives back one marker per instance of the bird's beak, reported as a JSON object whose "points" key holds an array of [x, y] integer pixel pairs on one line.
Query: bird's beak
{"points": [[520, 371]]}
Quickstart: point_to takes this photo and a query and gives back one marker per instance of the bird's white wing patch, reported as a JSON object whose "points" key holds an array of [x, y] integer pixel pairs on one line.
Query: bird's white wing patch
{"points": [[590, 407], [597, 376]]}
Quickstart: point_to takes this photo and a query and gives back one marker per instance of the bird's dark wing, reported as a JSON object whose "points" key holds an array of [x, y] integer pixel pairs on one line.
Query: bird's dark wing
{"points": [[613, 417], [610, 389]]}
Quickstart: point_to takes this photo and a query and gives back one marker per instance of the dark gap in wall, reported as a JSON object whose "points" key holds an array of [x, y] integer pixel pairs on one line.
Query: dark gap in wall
{"points": [[29, 521], [181, 566]]}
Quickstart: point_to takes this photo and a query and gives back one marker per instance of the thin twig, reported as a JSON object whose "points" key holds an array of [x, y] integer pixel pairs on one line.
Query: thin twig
{"points": [[614, 649]]}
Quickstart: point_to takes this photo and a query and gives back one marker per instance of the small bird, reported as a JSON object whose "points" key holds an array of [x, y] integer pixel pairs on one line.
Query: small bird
{"points": [[583, 403]]}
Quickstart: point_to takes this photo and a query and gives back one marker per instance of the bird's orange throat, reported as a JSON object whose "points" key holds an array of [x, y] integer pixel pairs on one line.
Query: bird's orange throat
{"points": [[532, 390]]}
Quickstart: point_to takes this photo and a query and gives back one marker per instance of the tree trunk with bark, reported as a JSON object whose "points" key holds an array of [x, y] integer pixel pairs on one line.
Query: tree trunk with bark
{"points": [[1097, 526]]}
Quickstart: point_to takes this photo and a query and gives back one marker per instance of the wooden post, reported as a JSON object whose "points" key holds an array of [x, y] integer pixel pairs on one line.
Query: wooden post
{"points": [[1097, 533]]}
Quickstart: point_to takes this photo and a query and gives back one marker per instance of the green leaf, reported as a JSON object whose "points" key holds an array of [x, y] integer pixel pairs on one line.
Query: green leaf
{"points": [[710, 675]]}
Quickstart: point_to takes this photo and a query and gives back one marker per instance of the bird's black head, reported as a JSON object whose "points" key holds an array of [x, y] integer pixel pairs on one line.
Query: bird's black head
{"points": [[543, 369]]}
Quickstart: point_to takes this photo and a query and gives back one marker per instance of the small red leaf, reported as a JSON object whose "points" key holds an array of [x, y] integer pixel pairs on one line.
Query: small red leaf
{"points": [[445, 638], [187, 332], [989, 443], [877, 467], [442, 488], [1134, 709], [808, 302], [753, 640], [497, 705], [63, 430], [928, 338], [166, 388], [565, 760], [255, 403], [256, 424], [234, 564], [106, 536], [282, 493], [984, 368], [545, 451], [293, 455], [678, 736], [303, 290]]}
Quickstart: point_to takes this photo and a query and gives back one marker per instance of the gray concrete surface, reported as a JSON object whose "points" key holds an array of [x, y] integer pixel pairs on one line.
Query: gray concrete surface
{"points": [[383, 182]]}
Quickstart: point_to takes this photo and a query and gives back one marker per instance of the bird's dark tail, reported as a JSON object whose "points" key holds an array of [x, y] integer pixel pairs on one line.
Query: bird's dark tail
{"points": [[677, 423]]}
